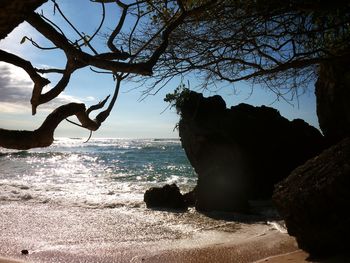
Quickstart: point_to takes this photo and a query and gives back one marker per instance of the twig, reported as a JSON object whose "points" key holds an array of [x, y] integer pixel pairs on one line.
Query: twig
{"points": [[89, 137]]}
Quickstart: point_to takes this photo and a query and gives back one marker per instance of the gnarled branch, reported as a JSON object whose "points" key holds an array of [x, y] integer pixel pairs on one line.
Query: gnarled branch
{"points": [[43, 136]]}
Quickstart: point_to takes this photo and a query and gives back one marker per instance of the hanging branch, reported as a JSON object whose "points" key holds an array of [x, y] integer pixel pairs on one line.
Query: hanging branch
{"points": [[102, 116], [117, 30]]}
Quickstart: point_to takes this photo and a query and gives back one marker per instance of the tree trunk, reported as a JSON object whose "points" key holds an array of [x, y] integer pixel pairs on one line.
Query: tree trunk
{"points": [[14, 12], [333, 99]]}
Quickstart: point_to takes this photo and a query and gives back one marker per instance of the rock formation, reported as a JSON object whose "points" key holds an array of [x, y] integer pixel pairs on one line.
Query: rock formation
{"points": [[240, 153], [314, 201], [333, 94]]}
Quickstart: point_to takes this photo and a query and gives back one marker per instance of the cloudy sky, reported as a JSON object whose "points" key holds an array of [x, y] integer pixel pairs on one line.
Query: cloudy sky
{"points": [[131, 118]]}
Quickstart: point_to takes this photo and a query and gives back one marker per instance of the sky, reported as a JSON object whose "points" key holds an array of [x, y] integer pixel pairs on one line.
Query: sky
{"points": [[131, 116]]}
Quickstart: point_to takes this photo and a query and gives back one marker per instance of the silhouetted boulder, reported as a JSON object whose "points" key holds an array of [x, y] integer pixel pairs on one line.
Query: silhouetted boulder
{"points": [[314, 201], [240, 153], [168, 196]]}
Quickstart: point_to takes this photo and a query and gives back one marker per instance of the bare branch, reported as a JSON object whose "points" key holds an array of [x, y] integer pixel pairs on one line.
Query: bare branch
{"points": [[39, 81], [117, 29], [56, 6], [81, 57], [24, 64], [102, 116], [101, 23], [43, 136], [37, 45], [49, 70], [39, 98], [97, 106]]}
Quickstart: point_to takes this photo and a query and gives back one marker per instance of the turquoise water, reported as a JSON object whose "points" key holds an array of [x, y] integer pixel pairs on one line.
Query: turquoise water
{"points": [[102, 172]]}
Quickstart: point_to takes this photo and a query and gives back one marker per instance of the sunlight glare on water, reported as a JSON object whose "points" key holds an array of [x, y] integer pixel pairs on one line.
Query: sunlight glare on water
{"points": [[100, 171]]}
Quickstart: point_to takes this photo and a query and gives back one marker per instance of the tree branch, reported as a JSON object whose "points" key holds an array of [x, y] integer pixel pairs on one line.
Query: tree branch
{"points": [[56, 6], [117, 29], [39, 81], [83, 58], [97, 106], [38, 98], [43, 136], [102, 116]]}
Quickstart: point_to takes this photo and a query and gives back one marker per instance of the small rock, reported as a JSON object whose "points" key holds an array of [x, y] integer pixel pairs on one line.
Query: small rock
{"points": [[25, 252], [168, 196]]}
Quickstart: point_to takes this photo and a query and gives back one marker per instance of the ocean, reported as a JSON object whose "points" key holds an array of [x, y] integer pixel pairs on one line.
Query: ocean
{"points": [[101, 172], [83, 202]]}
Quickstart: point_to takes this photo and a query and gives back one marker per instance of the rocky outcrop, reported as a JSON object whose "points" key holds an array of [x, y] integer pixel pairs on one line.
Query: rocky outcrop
{"points": [[333, 95], [168, 197], [14, 12], [240, 153], [314, 201]]}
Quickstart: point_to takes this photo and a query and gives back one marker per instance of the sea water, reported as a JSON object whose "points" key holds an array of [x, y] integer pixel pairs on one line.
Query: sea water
{"points": [[76, 199], [100, 172]]}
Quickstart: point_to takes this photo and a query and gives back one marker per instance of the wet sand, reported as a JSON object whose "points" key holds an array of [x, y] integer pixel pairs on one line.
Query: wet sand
{"points": [[248, 251], [7, 260], [216, 253], [55, 234], [242, 251]]}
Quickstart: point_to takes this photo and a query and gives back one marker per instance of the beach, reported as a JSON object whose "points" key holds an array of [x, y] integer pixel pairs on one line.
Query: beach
{"points": [[52, 234], [83, 202]]}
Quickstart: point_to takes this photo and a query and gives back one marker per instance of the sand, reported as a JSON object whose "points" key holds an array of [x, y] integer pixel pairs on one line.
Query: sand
{"points": [[242, 251], [222, 253], [55, 234], [291, 257], [260, 248], [8, 260]]}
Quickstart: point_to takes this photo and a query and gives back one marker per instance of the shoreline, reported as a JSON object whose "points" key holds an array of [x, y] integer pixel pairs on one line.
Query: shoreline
{"points": [[291, 257], [214, 253], [9, 260], [53, 233], [238, 253], [258, 248]]}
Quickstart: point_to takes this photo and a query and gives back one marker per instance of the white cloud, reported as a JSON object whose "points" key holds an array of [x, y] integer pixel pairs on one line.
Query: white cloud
{"points": [[16, 89], [89, 99], [7, 107]]}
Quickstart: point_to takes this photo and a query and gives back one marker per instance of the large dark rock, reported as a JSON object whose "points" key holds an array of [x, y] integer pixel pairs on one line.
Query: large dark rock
{"points": [[314, 201], [168, 196], [240, 153], [333, 96]]}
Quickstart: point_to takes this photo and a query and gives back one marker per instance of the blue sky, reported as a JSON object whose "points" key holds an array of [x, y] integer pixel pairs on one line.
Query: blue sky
{"points": [[130, 118]]}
